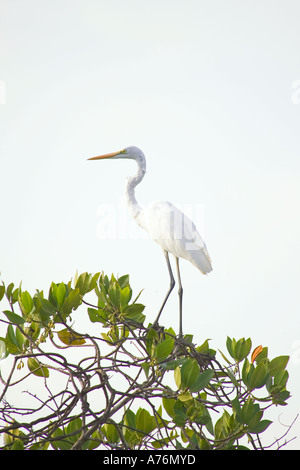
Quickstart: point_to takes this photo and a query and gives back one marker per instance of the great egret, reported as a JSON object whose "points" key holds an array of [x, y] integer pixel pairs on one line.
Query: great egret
{"points": [[166, 224]]}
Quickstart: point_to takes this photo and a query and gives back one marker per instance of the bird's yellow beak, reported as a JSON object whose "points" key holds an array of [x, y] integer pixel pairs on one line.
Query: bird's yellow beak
{"points": [[108, 155]]}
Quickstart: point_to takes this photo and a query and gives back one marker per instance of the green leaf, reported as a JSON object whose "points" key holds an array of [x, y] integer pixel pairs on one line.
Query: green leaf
{"points": [[160, 443], [60, 294], [86, 282], [222, 426], [10, 335], [202, 381], [111, 433], [168, 404], [20, 338], [70, 338], [97, 315], [2, 291], [189, 373], [134, 312], [240, 349], [134, 309], [278, 364], [188, 338], [53, 294], [9, 290], [170, 331], [163, 349], [185, 396], [17, 445], [171, 365], [146, 367], [45, 309], [129, 418], [33, 330], [93, 314], [36, 368], [124, 281], [114, 293], [199, 414], [62, 443], [177, 377], [26, 303], [102, 301], [95, 441], [72, 427], [247, 371], [255, 420], [71, 302], [281, 397], [14, 318], [128, 430], [244, 349], [277, 383], [204, 347], [125, 296], [229, 346], [249, 410], [260, 427], [12, 344], [151, 340], [259, 376], [180, 416], [281, 378], [144, 421], [236, 408], [107, 338]]}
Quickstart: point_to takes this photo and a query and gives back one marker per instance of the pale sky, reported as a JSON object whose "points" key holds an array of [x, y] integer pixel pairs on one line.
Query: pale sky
{"points": [[210, 91]]}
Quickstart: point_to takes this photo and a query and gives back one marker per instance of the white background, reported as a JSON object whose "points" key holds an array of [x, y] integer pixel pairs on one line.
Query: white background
{"points": [[210, 91]]}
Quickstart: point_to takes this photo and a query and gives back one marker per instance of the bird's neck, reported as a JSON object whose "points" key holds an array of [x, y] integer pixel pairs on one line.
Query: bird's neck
{"points": [[134, 208]]}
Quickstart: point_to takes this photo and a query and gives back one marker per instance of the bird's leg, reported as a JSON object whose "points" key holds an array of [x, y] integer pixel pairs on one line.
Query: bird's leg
{"points": [[180, 292], [172, 284]]}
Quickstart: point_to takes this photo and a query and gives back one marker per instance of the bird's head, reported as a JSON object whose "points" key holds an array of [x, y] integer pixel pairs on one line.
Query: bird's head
{"points": [[129, 152], [132, 153]]}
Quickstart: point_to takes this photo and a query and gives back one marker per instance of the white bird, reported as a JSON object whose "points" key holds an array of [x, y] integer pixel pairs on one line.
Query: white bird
{"points": [[166, 225]]}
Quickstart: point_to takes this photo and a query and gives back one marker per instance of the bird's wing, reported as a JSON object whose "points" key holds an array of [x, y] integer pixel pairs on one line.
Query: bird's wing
{"points": [[176, 233]]}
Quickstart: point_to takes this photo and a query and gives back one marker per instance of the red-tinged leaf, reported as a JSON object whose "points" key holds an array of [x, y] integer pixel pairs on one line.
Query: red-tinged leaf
{"points": [[256, 352]]}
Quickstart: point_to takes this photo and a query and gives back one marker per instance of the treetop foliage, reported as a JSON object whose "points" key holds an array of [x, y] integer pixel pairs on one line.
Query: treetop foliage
{"points": [[107, 381]]}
